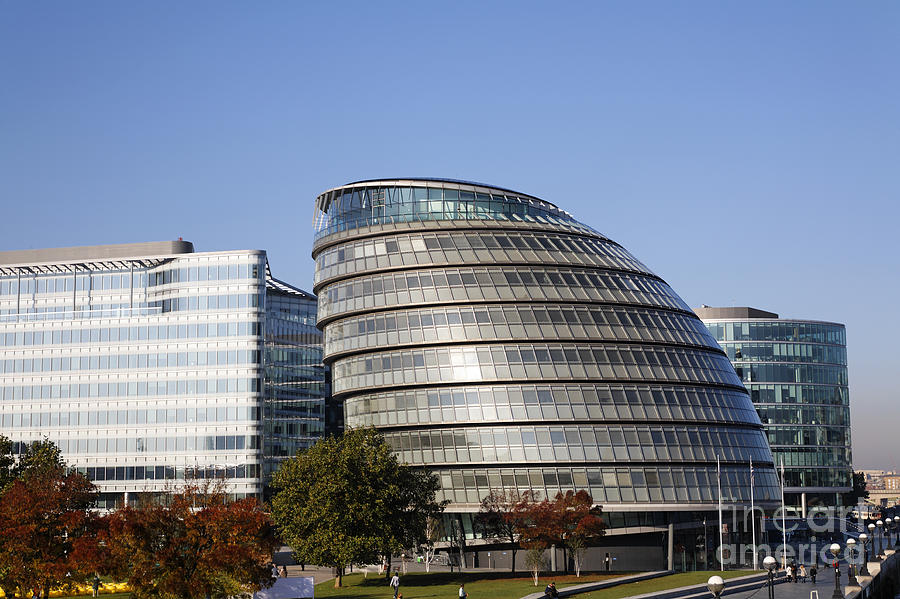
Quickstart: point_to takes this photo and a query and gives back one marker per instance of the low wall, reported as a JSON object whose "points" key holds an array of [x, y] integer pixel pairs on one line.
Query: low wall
{"points": [[621, 559]]}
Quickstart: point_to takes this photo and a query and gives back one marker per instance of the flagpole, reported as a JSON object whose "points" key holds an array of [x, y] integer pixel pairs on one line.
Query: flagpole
{"points": [[783, 524], [721, 539], [753, 515]]}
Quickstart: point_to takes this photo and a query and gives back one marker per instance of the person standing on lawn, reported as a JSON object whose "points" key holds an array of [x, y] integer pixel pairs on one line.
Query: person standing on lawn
{"points": [[462, 592], [395, 583]]}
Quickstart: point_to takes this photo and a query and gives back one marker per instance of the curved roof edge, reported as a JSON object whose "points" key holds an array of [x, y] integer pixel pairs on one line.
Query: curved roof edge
{"points": [[327, 192]]}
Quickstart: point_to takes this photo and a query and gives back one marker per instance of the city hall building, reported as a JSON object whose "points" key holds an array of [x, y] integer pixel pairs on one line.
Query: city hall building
{"points": [[796, 373], [504, 345], [149, 364]]}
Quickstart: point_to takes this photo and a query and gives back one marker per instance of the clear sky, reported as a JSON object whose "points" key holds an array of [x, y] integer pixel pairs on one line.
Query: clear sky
{"points": [[748, 152]]}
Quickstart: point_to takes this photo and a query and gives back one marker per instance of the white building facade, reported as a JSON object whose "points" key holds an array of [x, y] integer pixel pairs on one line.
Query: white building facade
{"points": [[143, 362]]}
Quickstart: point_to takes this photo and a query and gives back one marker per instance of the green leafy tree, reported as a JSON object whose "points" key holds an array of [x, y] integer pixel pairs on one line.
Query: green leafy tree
{"points": [[7, 462], [859, 492], [348, 500]]}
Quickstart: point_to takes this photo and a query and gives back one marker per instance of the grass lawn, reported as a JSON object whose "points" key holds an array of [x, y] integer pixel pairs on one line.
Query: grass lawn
{"points": [[500, 585], [672, 581], [479, 585]]}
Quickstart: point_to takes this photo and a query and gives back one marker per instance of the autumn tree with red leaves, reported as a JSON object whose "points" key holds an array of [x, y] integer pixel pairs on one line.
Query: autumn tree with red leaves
{"points": [[199, 545], [45, 523], [571, 520], [578, 522]]}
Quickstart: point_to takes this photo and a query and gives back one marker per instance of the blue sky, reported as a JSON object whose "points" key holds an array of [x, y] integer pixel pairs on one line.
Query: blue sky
{"points": [[747, 152]]}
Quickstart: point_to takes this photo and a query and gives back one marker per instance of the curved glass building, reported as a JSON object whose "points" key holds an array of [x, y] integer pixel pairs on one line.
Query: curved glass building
{"points": [[796, 373], [499, 342]]}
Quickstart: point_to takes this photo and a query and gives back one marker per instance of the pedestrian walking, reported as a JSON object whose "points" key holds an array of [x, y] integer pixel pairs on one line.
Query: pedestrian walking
{"points": [[95, 585], [395, 583], [812, 573], [462, 592], [802, 572], [284, 571]]}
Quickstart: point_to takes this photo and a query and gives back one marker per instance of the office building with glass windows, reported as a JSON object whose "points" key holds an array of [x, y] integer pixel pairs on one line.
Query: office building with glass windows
{"points": [[796, 373], [496, 340], [149, 364]]}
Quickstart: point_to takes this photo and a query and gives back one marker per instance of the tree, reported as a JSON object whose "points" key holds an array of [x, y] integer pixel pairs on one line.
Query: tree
{"points": [[45, 522], [859, 492], [7, 462], [537, 531], [434, 530], [578, 521], [348, 500], [199, 545], [495, 520]]}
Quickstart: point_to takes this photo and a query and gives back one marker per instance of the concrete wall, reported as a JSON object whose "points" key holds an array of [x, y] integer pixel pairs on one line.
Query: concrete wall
{"points": [[623, 559]]}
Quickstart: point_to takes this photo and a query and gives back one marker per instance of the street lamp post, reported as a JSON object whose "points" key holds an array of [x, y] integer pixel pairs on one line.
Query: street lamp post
{"points": [[864, 539], [880, 525], [897, 532], [888, 527], [851, 563], [871, 528], [769, 563], [715, 584], [835, 549]]}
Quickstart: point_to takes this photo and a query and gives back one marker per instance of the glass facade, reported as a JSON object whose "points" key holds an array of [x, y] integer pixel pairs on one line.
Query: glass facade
{"points": [[296, 382], [499, 342], [148, 368], [796, 373]]}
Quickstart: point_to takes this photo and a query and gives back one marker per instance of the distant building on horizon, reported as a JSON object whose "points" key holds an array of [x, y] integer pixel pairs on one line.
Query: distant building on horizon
{"points": [[150, 364], [796, 373]]}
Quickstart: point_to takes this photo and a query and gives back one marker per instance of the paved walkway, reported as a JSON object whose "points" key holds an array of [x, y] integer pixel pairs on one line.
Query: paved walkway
{"points": [[824, 585]]}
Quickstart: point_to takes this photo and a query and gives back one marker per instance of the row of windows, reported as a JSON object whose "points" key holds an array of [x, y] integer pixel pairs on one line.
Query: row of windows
{"points": [[786, 352], [121, 445], [802, 394], [799, 457], [504, 362], [613, 443], [194, 303], [792, 373], [515, 321], [420, 249], [82, 281], [57, 336], [775, 330], [152, 388], [93, 418], [63, 307], [111, 473], [131, 361], [222, 272], [81, 312], [358, 207], [290, 309], [613, 485], [808, 435], [818, 478], [89, 280], [449, 285], [564, 402], [802, 414]]}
